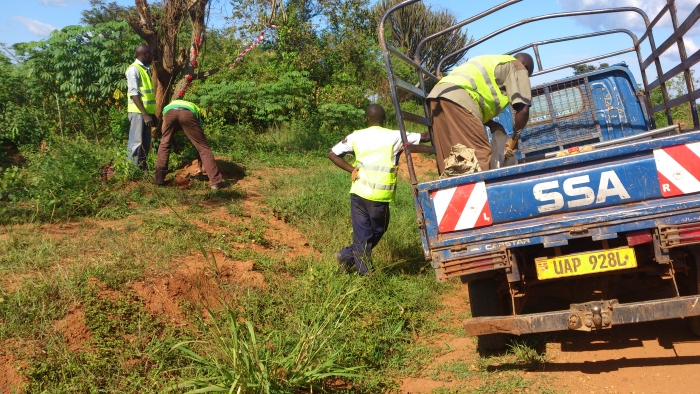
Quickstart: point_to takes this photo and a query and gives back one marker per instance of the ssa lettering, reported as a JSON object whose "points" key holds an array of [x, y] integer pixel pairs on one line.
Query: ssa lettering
{"points": [[609, 186]]}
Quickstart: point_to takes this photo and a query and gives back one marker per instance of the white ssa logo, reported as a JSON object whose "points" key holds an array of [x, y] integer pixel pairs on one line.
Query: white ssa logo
{"points": [[609, 186]]}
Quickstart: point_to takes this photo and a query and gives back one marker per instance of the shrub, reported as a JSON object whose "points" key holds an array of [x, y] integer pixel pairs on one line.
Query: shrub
{"points": [[63, 181]]}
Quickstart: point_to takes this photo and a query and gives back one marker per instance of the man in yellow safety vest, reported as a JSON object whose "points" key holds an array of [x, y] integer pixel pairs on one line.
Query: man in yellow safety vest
{"points": [[142, 106], [471, 95], [373, 177]]}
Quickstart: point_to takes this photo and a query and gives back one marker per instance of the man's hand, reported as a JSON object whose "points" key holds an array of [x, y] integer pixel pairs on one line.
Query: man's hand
{"points": [[511, 149], [355, 174], [149, 120]]}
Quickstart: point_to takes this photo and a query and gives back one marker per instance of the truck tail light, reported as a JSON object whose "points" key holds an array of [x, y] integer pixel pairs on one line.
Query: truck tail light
{"points": [[639, 237]]}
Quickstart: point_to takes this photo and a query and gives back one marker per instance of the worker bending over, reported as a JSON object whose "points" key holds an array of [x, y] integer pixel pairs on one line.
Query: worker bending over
{"points": [[470, 96], [186, 116], [373, 178]]}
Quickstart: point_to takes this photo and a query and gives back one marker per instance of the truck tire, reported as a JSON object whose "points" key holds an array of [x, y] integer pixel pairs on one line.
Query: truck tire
{"points": [[485, 300], [693, 322]]}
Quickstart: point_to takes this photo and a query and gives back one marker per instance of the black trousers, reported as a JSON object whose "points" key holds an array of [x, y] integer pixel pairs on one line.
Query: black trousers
{"points": [[370, 220]]}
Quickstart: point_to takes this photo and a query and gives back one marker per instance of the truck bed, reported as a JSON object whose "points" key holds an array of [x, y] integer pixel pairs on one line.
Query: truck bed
{"points": [[518, 218]]}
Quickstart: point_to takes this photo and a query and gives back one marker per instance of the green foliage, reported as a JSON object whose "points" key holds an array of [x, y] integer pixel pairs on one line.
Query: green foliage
{"points": [[580, 69], [410, 25], [84, 66], [260, 104], [11, 183], [676, 87], [63, 181]]}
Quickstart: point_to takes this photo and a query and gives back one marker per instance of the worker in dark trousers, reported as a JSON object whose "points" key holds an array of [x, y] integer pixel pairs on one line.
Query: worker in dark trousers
{"points": [[373, 178], [186, 116]]}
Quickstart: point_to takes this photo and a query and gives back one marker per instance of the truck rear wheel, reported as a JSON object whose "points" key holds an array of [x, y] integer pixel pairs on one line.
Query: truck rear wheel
{"points": [[691, 286], [485, 300]]}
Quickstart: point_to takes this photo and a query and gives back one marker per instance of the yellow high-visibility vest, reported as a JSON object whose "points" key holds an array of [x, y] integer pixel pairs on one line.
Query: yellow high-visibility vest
{"points": [[374, 156], [192, 107], [477, 77], [148, 95]]}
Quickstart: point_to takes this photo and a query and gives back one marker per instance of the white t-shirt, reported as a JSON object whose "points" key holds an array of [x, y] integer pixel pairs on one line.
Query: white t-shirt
{"points": [[345, 146]]}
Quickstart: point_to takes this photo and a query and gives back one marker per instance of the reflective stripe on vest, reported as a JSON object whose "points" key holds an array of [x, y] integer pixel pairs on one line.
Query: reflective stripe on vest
{"points": [[477, 77], [148, 96], [374, 157]]}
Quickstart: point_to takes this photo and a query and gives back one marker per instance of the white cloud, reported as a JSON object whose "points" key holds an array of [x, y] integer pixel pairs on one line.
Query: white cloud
{"points": [[628, 20], [60, 3], [41, 29], [54, 3]]}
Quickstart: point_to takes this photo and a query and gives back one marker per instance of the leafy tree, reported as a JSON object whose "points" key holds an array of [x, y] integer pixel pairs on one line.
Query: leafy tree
{"points": [[580, 69], [82, 64], [676, 87], [102, 12], [410, 25]]}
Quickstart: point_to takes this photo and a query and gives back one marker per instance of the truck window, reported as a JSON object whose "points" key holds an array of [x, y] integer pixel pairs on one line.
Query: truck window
{"points": [[565, 102]]}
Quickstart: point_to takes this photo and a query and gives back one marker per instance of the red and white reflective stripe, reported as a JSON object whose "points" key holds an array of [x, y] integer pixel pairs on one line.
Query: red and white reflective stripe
{"points": [[462, 207], [678, 169]]}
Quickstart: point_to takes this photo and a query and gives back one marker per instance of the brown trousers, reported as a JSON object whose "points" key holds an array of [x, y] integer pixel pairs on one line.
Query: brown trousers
{"points": [[183, 119], [452, 125]]}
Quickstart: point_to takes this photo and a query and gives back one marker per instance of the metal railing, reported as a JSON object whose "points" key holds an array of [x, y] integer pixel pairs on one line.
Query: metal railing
{"points": [[679, 30]]}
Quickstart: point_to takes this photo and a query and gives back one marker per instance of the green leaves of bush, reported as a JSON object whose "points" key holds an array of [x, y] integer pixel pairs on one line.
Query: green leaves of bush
{"points": [[261, 104]]}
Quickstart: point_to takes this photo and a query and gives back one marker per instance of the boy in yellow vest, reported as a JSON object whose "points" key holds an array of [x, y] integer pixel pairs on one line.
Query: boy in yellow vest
{"points": [[142, 106], [471, 95], [373, 178]]}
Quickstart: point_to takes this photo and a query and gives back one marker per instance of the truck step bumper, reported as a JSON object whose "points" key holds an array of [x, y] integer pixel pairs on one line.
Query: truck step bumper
{"points": [[590, 316]]}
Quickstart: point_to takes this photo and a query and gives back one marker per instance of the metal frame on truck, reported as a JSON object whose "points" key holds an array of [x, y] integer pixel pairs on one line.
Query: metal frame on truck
{"points": [[679, 30], [645, 219]]}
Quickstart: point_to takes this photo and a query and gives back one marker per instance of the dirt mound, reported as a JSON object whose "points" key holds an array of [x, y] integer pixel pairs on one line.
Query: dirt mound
{"points": [[193, 171], [424, 165], [195, 281], [13, 354], [74, 330], [10, 380]]}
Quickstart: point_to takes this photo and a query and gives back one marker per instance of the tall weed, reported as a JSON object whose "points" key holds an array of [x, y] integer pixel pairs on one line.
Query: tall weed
{"points": [[235, 359]]}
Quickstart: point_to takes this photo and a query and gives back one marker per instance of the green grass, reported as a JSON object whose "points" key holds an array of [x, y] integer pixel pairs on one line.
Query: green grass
{"points": [[308, 326]]}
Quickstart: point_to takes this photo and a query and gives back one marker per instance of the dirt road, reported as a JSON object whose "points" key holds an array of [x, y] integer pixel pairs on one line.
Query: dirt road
{"points": [[656, 357]]}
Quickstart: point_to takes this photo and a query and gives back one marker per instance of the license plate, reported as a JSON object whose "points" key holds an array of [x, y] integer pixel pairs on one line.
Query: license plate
{"points": [[585, 263]]}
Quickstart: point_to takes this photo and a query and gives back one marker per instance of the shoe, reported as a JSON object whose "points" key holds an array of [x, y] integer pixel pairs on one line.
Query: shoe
{"points": [[159, 182], [219, 186]]}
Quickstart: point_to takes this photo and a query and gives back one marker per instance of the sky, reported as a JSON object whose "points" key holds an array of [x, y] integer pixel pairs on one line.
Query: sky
{"points": [[30, 20]]}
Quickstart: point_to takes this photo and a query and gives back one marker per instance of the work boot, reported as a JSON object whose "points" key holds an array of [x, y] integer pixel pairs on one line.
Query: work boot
{"points": [[219, 186], [343, 266]]}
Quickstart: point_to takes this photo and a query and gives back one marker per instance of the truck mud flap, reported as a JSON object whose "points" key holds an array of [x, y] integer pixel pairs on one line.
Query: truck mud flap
{"points": [[590, 316]]}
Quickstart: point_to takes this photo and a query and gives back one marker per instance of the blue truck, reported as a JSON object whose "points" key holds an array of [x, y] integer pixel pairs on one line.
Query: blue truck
{"points": [[598, 223]]}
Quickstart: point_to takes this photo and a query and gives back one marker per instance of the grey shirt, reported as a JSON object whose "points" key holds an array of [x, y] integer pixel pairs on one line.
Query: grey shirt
{"points": [[511, 78]]}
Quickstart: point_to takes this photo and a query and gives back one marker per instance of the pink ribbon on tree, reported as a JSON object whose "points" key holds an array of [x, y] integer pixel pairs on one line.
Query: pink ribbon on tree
{"points": [[257, 41], [195, 53]]}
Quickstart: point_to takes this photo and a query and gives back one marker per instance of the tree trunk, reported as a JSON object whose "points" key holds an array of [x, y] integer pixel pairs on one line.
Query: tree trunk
{"points": [[161, 34]]}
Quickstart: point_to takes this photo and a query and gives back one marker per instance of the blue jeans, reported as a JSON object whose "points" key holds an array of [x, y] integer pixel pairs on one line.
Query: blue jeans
{"points": [[370, 220], [139, 141]]}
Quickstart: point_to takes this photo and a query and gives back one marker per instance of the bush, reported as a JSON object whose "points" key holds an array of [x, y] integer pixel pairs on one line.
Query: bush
{"points": [[64, 180]]}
